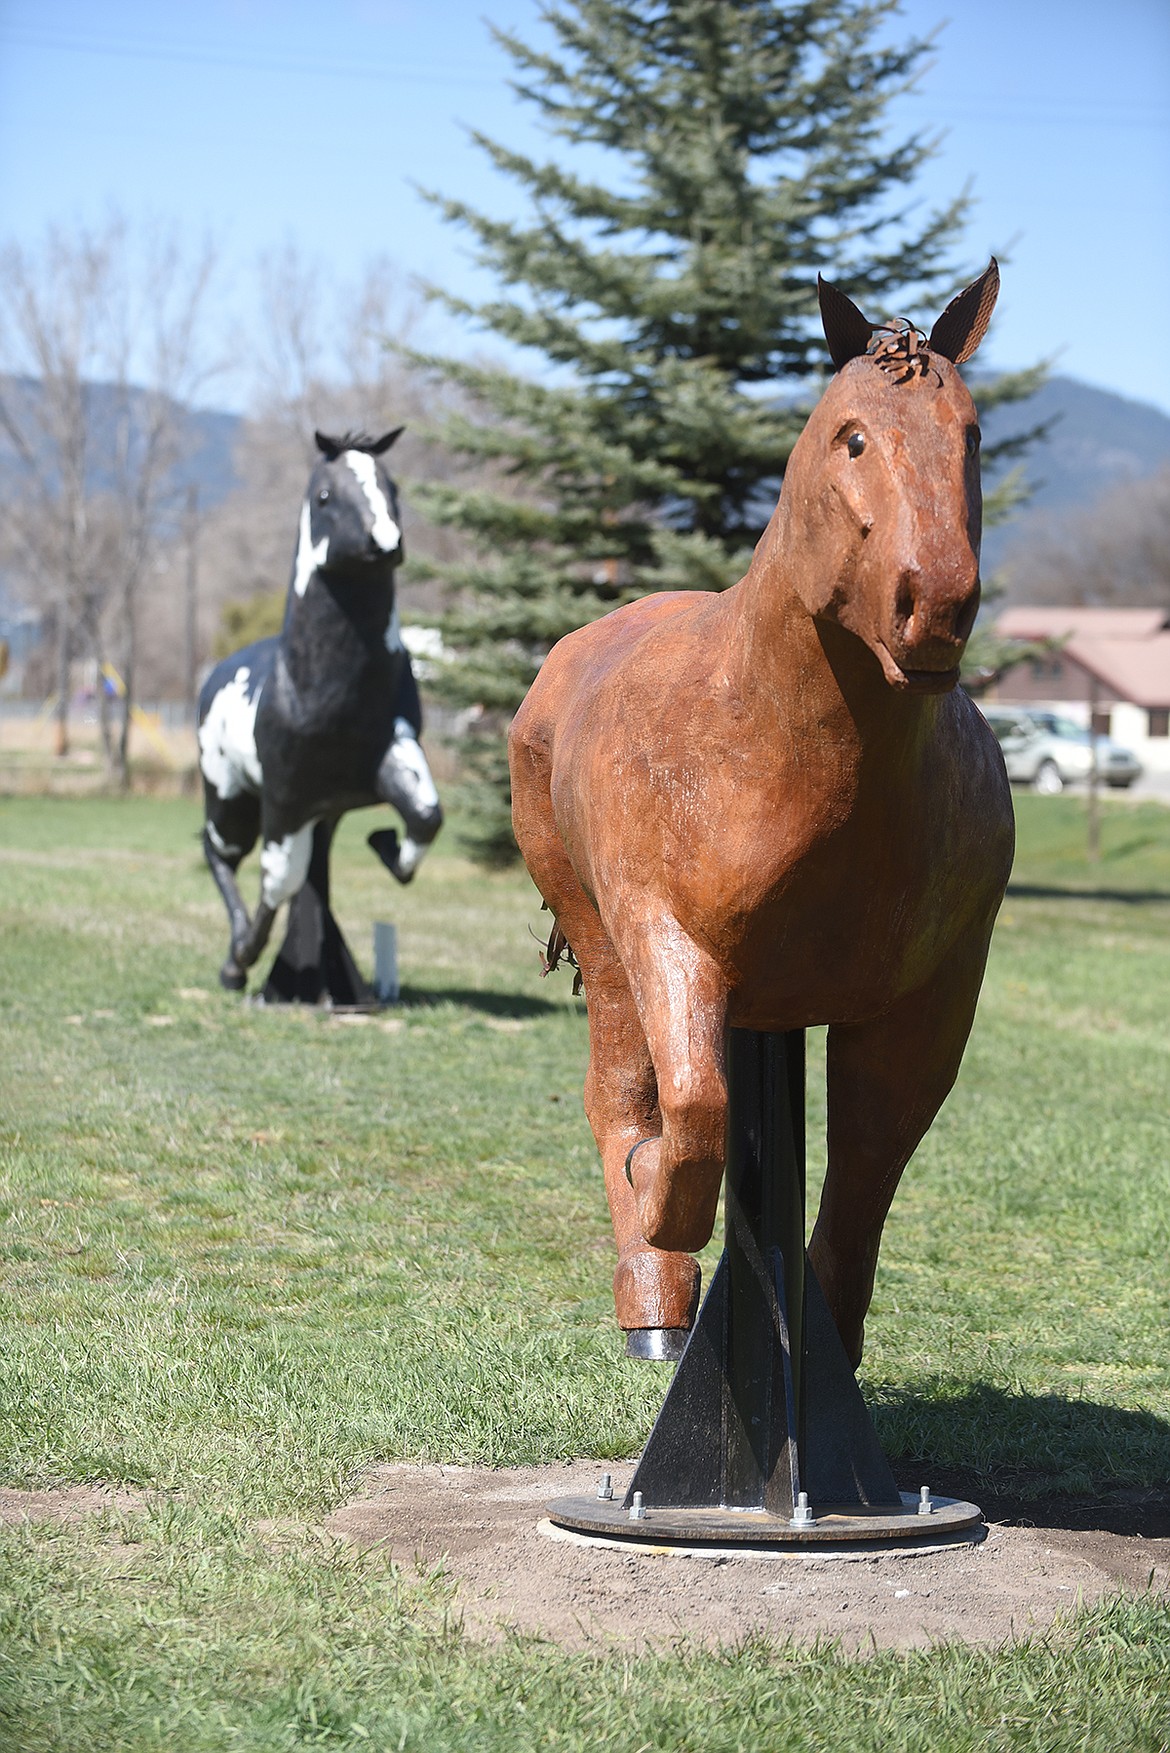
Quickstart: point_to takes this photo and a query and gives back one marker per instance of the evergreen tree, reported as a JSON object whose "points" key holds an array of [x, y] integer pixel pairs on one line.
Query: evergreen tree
{"points": [[675, 298]]}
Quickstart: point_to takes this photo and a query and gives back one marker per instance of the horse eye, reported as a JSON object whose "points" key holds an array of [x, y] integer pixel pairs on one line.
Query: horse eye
{"points": [[855, 443], [322, 495], [972, 441]]}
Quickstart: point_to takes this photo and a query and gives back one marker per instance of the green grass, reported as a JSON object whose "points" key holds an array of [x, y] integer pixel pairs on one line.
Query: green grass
{"points": [[192, 1638], [248, 1252]]}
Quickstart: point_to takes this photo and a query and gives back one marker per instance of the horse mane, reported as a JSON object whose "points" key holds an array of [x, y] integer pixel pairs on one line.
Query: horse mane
{"points": [[331, 448]]}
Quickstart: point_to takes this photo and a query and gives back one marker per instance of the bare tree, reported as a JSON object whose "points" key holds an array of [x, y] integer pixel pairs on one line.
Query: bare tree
{"points": [[326, 357], [1116, 552], [101, 338]]}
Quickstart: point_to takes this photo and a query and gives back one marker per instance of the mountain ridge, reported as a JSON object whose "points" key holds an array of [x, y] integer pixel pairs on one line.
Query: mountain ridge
{"points": [[1097, 440]]}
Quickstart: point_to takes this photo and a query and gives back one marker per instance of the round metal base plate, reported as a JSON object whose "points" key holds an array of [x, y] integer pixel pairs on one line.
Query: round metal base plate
{"points": [[730, 1527], [325, 1007]]}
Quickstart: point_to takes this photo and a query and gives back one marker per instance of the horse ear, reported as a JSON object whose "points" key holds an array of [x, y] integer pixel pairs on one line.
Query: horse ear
{"points": [[964, 322], [382, 445], [330, 448], [846, 330]]}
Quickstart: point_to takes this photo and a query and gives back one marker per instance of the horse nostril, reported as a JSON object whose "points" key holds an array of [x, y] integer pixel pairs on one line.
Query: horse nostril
{"points": [[904, 603]]}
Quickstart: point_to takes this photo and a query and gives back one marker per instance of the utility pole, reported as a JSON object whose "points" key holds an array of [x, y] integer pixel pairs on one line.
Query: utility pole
{"points": [[191, 533], [1094, 847]]}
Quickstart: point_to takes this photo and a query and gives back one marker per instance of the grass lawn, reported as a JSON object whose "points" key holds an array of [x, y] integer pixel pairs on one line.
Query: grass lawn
{"points": [[246, 1252]]}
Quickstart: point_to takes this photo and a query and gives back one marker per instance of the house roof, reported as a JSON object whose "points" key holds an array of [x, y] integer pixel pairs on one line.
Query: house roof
{"points": [[1128, 650], [1131, 669], [1046, 622]]}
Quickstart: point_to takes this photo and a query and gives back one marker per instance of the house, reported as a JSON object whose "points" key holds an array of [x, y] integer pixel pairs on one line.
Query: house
{"points": [[1112, 665]]}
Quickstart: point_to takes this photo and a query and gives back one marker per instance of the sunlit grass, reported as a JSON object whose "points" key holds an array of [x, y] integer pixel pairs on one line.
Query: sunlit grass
{"points": [[183, 1633], [247, 1252]]}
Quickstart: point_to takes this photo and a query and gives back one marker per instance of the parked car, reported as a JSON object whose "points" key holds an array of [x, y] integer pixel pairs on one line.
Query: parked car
{"points": [[1048, 751]]}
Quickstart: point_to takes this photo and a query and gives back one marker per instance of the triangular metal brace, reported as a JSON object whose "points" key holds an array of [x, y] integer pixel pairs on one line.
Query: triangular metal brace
{"points": [[764, 1404]]}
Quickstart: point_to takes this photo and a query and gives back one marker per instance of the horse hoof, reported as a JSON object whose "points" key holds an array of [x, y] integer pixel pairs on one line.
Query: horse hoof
{"points": [[654, 1290], [384, 842], [657, 1344], [232, 978]]}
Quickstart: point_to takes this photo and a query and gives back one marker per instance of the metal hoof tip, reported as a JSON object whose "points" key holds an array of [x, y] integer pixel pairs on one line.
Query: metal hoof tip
{"points": [[630, 1157], [232, 978], [657, 1344]]}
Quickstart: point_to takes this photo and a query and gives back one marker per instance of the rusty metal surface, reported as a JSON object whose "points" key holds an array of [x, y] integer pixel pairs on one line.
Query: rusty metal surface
{"points": [[717, 1526]]}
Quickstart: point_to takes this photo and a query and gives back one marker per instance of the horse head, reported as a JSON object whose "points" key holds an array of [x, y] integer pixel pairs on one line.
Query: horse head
{"points": [[349, 518], [884, 505]]}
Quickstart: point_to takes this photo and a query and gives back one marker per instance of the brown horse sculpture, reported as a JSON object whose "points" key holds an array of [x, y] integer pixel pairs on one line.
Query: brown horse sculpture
{"points": [[772, 808]]}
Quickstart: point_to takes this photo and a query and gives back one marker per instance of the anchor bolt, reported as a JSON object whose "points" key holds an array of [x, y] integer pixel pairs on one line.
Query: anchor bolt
{"points": [[802, 1516], [605, 1486], [637, 1508], [925, 1506]]}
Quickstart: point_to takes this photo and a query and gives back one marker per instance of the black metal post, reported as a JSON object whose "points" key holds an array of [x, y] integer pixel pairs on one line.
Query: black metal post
{"points": [[763, 1436], [764, 1251]]}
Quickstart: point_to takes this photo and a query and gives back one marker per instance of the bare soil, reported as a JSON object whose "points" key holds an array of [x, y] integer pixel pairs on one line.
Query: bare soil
{"points": [[65, 1503], [512, 1570]]}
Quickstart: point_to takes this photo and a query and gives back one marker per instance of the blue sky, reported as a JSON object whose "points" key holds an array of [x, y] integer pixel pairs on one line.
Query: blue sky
{"points": [[267, 123]]}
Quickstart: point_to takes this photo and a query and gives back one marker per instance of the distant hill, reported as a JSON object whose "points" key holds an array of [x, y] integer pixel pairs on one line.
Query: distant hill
{"points": [[213, 438], [210, 466], [1098, 441]]}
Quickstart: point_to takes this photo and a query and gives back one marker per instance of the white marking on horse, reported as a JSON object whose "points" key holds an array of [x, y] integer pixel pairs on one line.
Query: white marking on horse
{"points": [[218, 841], [410, 856], [385, 531], [393, 634], [227, 738], [284, 865], [309, 556]]}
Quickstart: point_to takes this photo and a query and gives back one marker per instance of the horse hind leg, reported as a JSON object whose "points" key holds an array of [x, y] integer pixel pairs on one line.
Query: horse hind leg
{"points": [[229, 833]]}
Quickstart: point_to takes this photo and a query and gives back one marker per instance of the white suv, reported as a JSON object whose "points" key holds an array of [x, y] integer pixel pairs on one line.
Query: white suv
{"points": [[1049, 751]]}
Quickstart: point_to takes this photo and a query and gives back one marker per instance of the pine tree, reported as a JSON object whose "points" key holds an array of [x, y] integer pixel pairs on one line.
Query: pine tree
{"points": [[674, 300]]}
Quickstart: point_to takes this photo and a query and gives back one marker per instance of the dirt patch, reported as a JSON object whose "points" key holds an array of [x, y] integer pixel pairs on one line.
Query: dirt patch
{"points": [[512, 1572], [65, 1503]]}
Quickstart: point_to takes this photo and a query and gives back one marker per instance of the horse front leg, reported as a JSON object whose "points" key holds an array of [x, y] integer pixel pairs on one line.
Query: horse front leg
{"points": [[284, 865], [404, 781], [887, 1079], [681, 996], [655, 1291]]}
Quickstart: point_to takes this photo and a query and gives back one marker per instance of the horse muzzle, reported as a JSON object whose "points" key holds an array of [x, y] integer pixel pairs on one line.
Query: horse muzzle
{"points": [[911, 678], [925, 645]]}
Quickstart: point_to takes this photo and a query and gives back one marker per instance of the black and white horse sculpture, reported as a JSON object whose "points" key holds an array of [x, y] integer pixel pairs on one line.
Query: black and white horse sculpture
{"points": [[324, 717]]}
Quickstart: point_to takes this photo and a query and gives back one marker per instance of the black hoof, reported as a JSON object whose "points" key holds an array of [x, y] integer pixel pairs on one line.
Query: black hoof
{"points": [[657, 1344], [232, 978], [384, 842]]}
